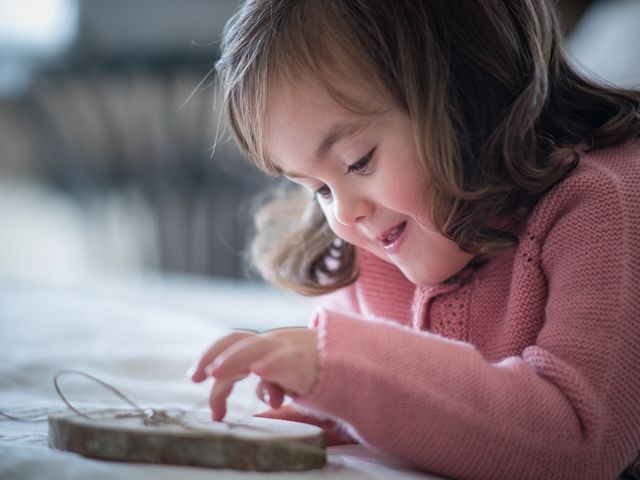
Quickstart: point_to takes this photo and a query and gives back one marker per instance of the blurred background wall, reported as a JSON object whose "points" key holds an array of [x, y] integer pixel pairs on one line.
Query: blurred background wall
{"points": [[107, 128]]}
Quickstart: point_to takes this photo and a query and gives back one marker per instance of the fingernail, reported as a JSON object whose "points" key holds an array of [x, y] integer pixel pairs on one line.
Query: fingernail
{"points": [[191, 371]]}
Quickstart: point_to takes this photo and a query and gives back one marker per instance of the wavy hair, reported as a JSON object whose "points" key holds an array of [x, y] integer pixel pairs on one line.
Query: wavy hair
{"points": [[499, 113]]}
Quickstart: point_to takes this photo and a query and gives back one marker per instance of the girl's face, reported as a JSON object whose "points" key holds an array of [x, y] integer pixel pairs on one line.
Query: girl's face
{"points": [[366, 175]]}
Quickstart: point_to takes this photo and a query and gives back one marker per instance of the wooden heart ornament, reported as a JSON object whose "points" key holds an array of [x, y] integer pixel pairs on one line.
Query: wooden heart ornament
{"points": [[180, 437]]}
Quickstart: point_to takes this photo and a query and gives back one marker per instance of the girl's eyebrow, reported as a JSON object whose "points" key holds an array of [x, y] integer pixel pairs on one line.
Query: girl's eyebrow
{"points": [[336, 134]]}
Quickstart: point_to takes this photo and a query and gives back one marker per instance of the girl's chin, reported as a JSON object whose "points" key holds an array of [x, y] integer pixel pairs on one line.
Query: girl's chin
{"points": [[380, 254], [422, 278]]}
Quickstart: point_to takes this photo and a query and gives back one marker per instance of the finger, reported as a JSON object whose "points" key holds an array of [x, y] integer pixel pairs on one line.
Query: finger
{"points": [[218, 396], [276, 395], [236, 359], [214, 350], [270, 393], [284, 367], [288, 412]]}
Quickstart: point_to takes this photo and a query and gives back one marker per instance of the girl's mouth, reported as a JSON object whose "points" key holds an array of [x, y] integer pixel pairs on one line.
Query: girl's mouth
{"points": [[392, 239]]}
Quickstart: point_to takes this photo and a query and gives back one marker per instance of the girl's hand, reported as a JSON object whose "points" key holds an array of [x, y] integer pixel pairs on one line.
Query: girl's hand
{"points": [[333, 434], [286, 360]]}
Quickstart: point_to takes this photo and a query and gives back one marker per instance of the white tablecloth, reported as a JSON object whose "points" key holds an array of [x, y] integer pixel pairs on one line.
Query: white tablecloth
{"points": [[141, 337]]}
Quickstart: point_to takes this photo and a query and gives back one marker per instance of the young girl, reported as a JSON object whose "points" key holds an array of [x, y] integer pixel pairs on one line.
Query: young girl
{"points": [[468, 216]]}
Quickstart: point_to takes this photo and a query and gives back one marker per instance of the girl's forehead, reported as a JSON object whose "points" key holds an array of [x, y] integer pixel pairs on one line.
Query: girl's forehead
{"points": [[305, 117], [303, 128], [300, 119], [308, 109], [321, 102], [286, 99]]}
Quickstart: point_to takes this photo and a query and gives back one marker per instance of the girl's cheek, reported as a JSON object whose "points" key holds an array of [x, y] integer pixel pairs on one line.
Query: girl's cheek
{"points": [[346, 233], [336, 227]]}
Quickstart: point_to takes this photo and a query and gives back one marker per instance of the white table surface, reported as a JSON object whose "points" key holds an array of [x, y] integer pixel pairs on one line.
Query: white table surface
{"points": [[140, 336]]}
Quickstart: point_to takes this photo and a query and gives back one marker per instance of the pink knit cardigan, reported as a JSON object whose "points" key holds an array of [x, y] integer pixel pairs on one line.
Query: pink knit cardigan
{"points": [[526, 368]]}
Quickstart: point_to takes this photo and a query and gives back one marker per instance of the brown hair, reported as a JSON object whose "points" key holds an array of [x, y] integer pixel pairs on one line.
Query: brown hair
{"points": [[498, 112]]}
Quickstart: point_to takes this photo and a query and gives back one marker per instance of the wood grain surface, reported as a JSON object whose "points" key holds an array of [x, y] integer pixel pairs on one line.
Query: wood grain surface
{"points": [[194, 439]]}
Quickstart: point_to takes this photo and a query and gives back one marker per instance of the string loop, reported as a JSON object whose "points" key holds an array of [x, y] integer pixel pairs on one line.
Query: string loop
{"points": [[149, 416], [59, 373], [158, 417]]}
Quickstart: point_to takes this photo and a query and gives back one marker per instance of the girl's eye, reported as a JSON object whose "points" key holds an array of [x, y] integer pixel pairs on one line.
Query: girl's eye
{"points": [[361, 165], [324, 191]]}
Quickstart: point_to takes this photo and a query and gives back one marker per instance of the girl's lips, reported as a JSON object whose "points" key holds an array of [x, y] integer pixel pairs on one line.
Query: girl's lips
{"points": [[392, 239]]}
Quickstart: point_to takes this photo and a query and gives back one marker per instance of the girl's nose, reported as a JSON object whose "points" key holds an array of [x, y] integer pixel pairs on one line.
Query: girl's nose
{"points": [[352, 209]]}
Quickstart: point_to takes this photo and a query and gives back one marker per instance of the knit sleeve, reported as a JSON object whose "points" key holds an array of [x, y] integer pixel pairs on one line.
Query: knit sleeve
{"points": [[566, 408], [588, 346]]}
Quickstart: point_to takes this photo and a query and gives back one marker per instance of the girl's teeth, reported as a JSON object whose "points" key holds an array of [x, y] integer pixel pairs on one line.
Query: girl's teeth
{"points": [[392, 235]]}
